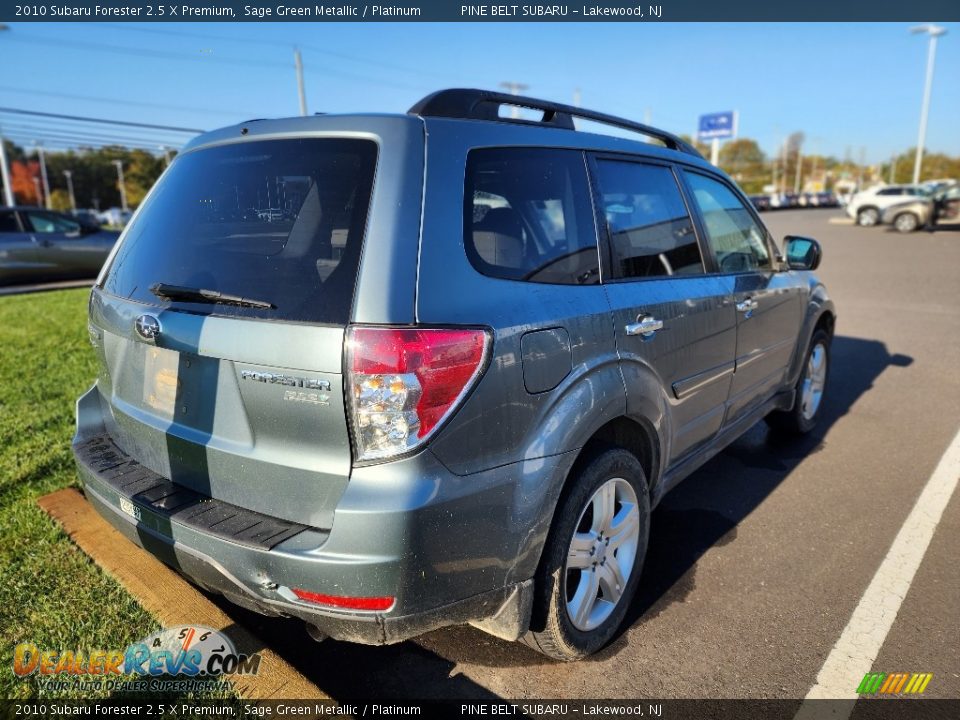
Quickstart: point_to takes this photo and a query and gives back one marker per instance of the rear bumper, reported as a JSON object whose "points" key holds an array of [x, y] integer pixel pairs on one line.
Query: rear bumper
{"points": [[449, 549]]}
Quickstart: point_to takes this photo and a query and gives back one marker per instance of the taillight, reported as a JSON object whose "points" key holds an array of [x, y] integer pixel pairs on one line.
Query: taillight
{"points": [[403, 382]]}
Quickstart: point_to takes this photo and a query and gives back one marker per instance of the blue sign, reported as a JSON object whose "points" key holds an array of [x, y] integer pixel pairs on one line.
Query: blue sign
{"points": [[717, 125]]}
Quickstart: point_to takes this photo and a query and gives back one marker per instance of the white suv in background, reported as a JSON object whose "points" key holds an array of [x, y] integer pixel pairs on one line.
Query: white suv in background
{"points": [[866, 206]]}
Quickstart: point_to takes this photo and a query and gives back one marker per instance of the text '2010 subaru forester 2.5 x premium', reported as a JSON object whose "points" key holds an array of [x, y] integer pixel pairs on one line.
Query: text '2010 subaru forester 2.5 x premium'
{"points": [[386, 373]]}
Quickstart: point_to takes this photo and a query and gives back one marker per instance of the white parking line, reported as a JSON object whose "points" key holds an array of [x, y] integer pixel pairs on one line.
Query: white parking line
{"points": [[856, 650]]}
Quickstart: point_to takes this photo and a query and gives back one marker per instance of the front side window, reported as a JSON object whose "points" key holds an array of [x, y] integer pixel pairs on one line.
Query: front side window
{"points": [[280, 222], [528, 216], [651, 233], [736, 238], [42, 222]]}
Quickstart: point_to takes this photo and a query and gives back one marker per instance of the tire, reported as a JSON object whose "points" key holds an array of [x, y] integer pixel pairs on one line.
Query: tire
{"points": [[808, 405], [576, 610], [868, 217], [906, 222]]}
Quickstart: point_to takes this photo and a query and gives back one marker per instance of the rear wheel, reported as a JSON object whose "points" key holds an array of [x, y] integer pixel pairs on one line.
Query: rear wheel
{"points": [[868, 216], [807, 406], [593, 557], [906, 222]]}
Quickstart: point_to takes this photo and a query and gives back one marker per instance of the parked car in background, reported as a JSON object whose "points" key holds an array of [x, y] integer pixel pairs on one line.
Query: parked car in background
{"points": [[415, 399], [115, 217], [38, 245], [87, 218], [827, 199], [924, 212], [760, 202], [866, 207]]}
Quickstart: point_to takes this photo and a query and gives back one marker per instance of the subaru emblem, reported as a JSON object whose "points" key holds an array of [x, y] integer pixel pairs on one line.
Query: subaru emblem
{"points": [[147, 327]]}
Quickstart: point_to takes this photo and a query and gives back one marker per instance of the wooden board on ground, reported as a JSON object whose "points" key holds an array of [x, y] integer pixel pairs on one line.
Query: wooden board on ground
{"points": [[170, 598]]}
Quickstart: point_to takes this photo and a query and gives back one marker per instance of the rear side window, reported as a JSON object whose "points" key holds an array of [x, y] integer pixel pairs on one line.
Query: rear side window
{"points": [[651, 233], [276, 221], [528, 216], [8, 223]]}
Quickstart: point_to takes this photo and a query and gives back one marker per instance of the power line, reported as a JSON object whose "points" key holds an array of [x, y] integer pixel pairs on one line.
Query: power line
{"points": [[30, 136], [122, 101], [125, 123], [247, 40]]}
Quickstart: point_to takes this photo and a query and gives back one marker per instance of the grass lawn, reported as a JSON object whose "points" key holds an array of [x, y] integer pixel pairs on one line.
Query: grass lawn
{"points": [[51, 594]]}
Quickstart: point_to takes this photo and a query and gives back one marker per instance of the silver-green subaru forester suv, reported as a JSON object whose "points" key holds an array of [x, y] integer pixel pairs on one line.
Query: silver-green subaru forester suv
{"points": [[386, 373]]}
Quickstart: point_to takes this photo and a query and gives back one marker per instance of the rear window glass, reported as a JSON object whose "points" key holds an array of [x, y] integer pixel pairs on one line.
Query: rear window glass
{"points": [[528, 216], [279, 222]]}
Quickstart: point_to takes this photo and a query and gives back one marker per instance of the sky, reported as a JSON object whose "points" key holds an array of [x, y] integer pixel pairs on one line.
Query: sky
{"points": [[850, 88]]}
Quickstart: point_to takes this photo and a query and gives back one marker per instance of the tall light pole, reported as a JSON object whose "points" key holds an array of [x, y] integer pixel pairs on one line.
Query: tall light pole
{"points": [[4, 167], [796, 181], [298, 63], [123, 190], [934, 31], [166, 155], [514, 88], [43, 175], [5, 173], [73, 200]]}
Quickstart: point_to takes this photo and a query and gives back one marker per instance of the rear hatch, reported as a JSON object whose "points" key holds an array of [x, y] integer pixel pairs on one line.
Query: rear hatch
{"points": [[222, 318]]}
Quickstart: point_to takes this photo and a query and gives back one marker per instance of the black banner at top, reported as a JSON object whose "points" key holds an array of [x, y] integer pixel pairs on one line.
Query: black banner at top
{"points": [[480, 11]]}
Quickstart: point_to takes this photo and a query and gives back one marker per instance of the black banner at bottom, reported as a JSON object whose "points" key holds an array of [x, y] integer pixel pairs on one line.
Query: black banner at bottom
{"points": [[864, 709]]}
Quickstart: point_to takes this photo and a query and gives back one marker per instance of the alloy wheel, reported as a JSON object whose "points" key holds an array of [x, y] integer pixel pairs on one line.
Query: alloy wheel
{"points": [[602, 554]]}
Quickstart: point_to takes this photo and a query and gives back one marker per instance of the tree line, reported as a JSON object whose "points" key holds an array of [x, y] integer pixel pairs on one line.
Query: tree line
{"points": [[96, 186], [95, 183]]}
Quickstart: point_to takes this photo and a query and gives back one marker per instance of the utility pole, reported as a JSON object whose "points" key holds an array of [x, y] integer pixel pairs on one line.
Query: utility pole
{"points": [[783, 173], [166, 155], [934, 31], [5, 172], [893, 168], [73, 200], [576, 97], [123, 190], [796, 181], [298, 63], [514, 88], [43, 175]]}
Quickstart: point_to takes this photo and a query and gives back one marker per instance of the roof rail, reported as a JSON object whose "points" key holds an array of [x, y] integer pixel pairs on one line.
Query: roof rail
{"points": [[485, 105]]}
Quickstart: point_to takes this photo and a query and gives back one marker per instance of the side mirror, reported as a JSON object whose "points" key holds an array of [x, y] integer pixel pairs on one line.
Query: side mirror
{"points": [[802, 253]]}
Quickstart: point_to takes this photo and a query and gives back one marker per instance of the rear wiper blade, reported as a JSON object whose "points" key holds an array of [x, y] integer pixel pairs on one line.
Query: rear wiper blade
{"points": [[203, 295]]}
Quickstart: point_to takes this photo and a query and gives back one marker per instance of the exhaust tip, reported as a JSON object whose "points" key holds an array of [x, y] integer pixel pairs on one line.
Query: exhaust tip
{"points": [[315, 633]]}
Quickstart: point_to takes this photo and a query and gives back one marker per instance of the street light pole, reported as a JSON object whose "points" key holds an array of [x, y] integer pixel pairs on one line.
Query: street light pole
{"points": [[5, 173], [123, 190], [43, 176], [515, 88], [298, 62], [4, 167], [934, 31], [73, 200], [796, 181]]}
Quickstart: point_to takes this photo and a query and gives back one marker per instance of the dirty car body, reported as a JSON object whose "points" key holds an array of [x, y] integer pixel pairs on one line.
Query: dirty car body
{"points": [[413, 331]]}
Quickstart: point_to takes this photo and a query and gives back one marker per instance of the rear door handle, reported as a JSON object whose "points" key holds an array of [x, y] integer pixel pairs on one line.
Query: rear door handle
{"points": [[645, 326], [748, 305]]}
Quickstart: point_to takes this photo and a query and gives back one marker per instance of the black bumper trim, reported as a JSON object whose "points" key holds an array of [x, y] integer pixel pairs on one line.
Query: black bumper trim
{"points": [[101, 456]]}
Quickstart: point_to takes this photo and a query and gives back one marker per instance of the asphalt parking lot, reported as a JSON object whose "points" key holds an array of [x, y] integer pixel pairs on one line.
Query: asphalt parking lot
{"points": [[758, 560]]}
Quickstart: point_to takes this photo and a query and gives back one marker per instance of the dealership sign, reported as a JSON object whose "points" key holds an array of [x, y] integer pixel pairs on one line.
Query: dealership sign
{"points": [[717, 126]]}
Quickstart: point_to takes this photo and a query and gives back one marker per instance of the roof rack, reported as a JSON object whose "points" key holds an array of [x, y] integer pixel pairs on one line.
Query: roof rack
{"points": [[471, 104]]}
